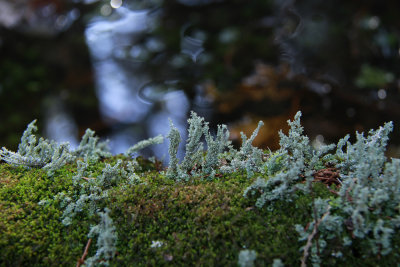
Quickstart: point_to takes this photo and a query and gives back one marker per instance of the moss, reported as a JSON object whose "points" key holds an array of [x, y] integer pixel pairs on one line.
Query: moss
{"points": [[32, 234], [200, 223]]}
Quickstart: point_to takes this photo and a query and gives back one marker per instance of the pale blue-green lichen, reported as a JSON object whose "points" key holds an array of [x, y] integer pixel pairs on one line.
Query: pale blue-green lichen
{"points": [[247, 258], [159, 139], [40, 153], [174, 139], [106, 240], [220, 155], [90, 149], [365, 208]]}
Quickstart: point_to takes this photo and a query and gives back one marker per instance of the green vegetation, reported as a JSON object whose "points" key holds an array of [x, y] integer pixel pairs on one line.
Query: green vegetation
{"points": [[296, 206], [201, 222]]}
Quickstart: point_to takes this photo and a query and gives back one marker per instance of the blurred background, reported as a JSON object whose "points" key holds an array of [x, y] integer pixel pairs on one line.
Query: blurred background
{"points": [[123, 67]]}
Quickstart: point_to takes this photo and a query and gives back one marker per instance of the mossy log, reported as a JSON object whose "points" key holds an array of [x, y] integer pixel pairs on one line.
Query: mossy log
{"points": [[195, 223]]}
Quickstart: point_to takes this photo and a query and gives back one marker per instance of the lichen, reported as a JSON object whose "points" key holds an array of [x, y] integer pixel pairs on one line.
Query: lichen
{"points": [[289, 216]]}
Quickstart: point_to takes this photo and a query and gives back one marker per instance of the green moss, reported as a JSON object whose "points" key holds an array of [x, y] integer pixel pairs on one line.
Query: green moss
{"points": [[32, 234], [200, 223]]}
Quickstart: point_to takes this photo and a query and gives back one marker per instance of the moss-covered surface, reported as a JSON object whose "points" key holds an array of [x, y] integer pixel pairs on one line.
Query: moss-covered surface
{"points": [[200, 223]]}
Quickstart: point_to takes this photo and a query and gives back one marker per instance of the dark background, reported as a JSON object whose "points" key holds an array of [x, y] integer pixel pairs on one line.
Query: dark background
{"points": [[234, 62]]}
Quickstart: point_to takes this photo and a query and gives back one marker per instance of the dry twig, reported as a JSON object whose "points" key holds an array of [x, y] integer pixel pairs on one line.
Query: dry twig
{"points": [[87, 178], [311, 236], [328, 176], [85, 252]]}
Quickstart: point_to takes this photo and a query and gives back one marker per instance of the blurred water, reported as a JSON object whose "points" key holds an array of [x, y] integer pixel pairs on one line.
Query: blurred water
{"points": [[60, 125], [131, 116]]}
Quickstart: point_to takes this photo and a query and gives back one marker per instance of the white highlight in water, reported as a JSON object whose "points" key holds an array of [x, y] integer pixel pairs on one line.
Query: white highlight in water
{"points": [[116, 3], [382, 94]]}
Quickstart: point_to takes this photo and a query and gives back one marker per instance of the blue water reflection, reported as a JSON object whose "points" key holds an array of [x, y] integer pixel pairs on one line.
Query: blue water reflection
{"points": [[129, 103], [60, 125]]}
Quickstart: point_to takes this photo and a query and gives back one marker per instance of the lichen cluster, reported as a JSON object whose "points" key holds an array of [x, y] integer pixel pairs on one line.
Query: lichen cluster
{"points": [[333, 205]]}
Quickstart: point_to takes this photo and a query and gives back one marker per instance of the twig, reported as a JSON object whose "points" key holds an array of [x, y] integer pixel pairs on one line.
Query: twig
{"points": [[333, 192], [315, 218], [349, 198], [311, 236], [87, 178], [82, 259]]}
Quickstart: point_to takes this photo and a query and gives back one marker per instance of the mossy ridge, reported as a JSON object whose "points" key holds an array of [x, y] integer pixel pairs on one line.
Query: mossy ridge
{"points": [[204, 223], [203, 214], [31, 234]]}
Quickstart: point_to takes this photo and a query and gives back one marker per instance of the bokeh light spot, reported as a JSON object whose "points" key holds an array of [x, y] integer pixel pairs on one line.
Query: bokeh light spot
{"points": [[320, 138], [116, 3], [382, 94], [105, 10]]}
